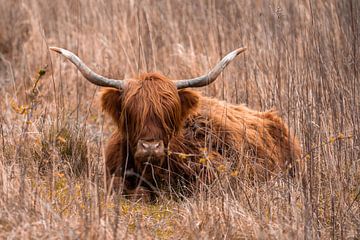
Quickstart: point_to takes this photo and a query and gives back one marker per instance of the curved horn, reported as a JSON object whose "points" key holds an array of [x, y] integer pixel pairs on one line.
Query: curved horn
{"points": [[87, 72], [212, 75]]}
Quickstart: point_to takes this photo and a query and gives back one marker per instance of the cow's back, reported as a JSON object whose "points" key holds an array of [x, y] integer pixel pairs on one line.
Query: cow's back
{"points": [[256, 142]]}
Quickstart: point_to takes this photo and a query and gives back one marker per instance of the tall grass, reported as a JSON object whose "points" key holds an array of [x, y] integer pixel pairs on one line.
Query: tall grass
{"points": [[302, 59]]}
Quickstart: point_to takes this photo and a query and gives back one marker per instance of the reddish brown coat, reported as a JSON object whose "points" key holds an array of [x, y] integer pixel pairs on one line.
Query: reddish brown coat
{"points": [[204, 136]]}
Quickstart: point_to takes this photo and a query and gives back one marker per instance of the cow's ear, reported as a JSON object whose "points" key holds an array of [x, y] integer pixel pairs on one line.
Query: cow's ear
{"points": [[111, 102], [189, 102]]}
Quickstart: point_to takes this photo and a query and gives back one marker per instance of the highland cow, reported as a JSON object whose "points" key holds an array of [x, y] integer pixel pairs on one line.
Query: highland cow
{"points": [[171, 137]]}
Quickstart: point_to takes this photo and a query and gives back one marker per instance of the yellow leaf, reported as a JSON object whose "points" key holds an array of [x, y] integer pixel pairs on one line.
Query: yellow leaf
{"points": [[203, 149], [60, 175], [61, 139], [203, 160], [19, 109], [182, 155], [341, 136], [221, 168]]}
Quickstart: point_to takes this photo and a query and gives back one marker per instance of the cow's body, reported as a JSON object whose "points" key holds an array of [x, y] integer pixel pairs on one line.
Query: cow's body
{"points": [[169, 137], [216, 137]]}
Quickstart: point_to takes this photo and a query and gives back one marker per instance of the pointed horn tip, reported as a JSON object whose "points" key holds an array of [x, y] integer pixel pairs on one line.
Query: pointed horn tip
{"points": [[56, 49], [240, 50]]}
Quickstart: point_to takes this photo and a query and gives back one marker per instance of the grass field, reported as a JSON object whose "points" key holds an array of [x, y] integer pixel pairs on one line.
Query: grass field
{"points": [[303, 59]]}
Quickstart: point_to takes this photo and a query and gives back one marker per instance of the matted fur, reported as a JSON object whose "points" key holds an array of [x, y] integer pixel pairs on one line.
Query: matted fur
{"points": [[204, 136]]}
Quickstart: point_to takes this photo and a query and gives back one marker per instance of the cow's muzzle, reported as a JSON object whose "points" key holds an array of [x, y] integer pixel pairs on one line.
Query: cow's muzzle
{"points": [[150, 151]]}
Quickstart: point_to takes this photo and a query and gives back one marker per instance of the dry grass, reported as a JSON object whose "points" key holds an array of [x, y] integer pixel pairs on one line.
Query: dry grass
{"points": [[302, 58]]}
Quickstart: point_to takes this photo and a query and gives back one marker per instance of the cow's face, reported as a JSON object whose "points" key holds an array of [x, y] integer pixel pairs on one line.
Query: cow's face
{"points": [[149, 111]]}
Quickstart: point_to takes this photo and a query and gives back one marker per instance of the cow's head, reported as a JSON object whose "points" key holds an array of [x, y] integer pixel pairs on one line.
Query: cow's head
{"points": [[150, 109]]}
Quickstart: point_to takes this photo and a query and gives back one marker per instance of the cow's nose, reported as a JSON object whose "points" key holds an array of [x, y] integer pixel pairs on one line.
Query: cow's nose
{"points": [[150, 145], [153, 148]]}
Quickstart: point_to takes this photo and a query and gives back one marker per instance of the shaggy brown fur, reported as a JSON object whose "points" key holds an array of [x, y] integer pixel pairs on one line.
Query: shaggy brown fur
{"points": [[203, 136]]}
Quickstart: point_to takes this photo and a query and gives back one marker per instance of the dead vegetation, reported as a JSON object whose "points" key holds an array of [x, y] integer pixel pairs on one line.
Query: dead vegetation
{"points": [[303, 59]]}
